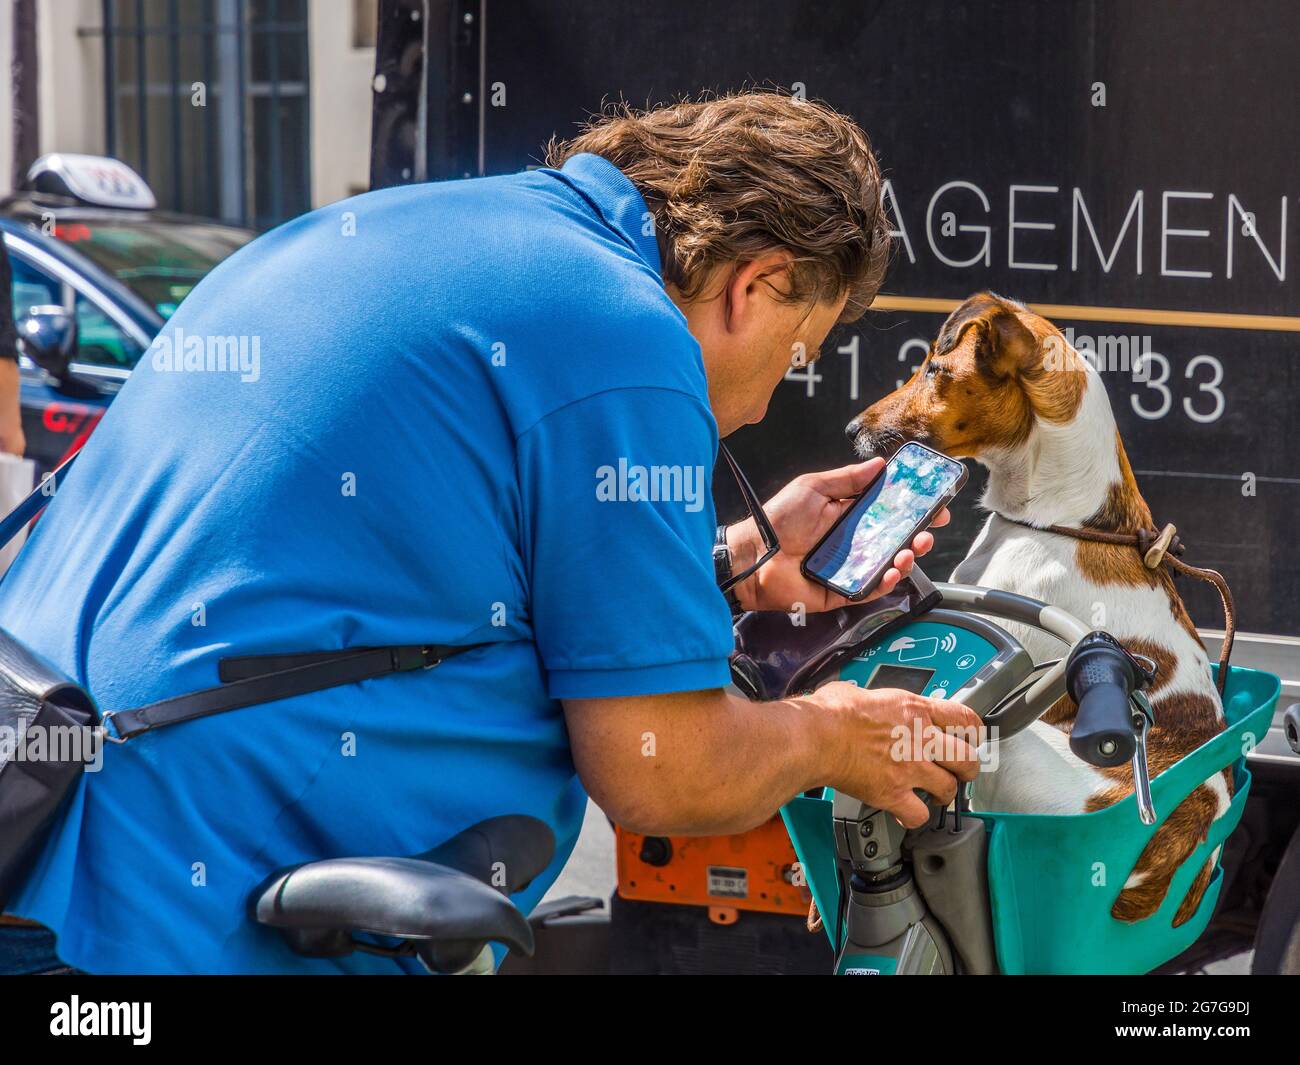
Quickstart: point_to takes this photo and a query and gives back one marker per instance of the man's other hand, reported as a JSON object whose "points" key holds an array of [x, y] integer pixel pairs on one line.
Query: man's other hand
{"points": [[890, 743], [12, 439]]}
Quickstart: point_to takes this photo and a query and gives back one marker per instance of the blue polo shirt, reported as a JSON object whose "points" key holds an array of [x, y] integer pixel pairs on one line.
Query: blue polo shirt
{"points": [[454, 413]]}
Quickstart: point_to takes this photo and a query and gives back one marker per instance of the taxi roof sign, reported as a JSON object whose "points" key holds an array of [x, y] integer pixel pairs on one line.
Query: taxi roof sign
{"points": [[92, 179]]}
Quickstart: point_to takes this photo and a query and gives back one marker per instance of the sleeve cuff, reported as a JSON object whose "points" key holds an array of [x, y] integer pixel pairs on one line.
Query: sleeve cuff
{"points": [[700, 675]]}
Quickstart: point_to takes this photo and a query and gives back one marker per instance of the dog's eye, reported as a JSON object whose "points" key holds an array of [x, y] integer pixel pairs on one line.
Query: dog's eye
{"points": [[933, 369]]}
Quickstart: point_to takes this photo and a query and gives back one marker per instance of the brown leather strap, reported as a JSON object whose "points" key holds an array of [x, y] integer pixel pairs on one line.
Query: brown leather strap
{"points": [[1158, 546]]}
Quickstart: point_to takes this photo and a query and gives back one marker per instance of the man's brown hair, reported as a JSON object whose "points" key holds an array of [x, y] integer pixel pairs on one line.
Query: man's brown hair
{"points": [[732, 178]]}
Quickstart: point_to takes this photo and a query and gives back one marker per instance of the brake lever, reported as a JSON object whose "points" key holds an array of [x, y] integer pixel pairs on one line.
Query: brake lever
{"points": [[1147, 668], [1143, 718]]}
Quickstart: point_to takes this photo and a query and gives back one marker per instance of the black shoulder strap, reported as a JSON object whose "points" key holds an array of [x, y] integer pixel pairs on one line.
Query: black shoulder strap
{"points": [[254, 679], [250, 679]]}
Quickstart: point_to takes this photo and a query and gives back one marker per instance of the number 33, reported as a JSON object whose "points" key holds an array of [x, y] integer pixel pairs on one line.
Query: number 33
{"points": [[1159, 385]]}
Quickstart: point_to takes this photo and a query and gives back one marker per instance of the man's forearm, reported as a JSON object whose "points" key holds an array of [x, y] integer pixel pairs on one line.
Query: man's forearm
{"points": [[697, 763]]}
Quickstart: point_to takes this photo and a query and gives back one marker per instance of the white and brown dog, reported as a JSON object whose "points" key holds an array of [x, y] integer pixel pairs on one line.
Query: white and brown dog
{"points": [[1000, 385]]}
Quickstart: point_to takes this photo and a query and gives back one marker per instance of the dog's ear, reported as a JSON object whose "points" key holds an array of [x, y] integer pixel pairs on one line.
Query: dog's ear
{"points": [[971, 310], [1006, 346]]}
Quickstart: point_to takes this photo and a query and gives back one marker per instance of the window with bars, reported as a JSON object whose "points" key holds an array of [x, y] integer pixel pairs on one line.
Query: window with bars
{"points": [[208, 100]]}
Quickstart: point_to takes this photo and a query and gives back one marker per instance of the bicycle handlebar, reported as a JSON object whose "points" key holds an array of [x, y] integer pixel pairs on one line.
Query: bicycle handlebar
{"points": [[1101, 677]]}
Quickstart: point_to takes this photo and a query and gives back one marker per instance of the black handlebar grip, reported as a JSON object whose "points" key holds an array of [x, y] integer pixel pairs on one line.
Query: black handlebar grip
{"points": [[1100, 677]]}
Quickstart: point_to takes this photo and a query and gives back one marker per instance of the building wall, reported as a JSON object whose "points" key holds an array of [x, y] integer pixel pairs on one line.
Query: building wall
{"points": [[71, 54], [71, 79], [72, 90], [340, 103]]}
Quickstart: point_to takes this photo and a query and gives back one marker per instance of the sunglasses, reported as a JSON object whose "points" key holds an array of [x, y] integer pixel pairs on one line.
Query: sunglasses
{"points": [[768, 534]]}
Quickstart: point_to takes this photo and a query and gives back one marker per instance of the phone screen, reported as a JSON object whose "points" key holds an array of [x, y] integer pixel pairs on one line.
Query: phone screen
{"points": [[862, 544]]}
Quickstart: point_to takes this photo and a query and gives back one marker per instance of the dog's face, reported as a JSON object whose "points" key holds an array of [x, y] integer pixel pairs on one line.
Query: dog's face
{"points": [[994, 368]]}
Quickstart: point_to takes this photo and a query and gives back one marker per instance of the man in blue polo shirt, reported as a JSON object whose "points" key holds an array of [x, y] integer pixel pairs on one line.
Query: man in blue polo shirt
{"points": [[480, 412]]}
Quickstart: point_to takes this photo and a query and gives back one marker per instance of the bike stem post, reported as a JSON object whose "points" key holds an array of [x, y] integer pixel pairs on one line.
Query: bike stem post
{"points": [[888, 927]]}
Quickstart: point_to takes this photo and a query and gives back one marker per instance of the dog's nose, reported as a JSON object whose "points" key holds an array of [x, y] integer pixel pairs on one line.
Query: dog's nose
{"points": [[853, 430]]}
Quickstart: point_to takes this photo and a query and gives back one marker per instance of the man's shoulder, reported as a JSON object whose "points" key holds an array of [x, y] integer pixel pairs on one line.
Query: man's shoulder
{"points": [[629, 342]]}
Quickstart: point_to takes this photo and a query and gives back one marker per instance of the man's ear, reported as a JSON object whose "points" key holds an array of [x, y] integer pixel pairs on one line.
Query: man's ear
{"points": [[1006, 346], [753, 284]]}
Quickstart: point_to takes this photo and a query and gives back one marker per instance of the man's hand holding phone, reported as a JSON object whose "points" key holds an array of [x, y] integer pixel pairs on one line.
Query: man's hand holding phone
{"points": [[802, 513]]}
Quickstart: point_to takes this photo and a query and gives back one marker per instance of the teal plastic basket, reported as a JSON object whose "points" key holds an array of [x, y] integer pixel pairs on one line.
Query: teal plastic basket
{"points": [[1053, 879]]}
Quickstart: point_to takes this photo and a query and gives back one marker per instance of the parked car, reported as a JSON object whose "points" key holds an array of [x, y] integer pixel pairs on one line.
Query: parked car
{"points": [[97, 270]]}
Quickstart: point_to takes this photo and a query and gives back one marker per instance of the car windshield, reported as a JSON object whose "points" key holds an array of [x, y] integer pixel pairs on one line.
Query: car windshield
{"points": [[159, 261]]}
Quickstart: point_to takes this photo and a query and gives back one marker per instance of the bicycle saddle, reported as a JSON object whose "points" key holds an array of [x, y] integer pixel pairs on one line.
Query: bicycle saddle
{"points": [[445, 905]]}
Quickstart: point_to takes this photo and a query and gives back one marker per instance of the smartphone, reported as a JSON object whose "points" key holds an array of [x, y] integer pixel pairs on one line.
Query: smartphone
{"points": [[860, 547]]}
